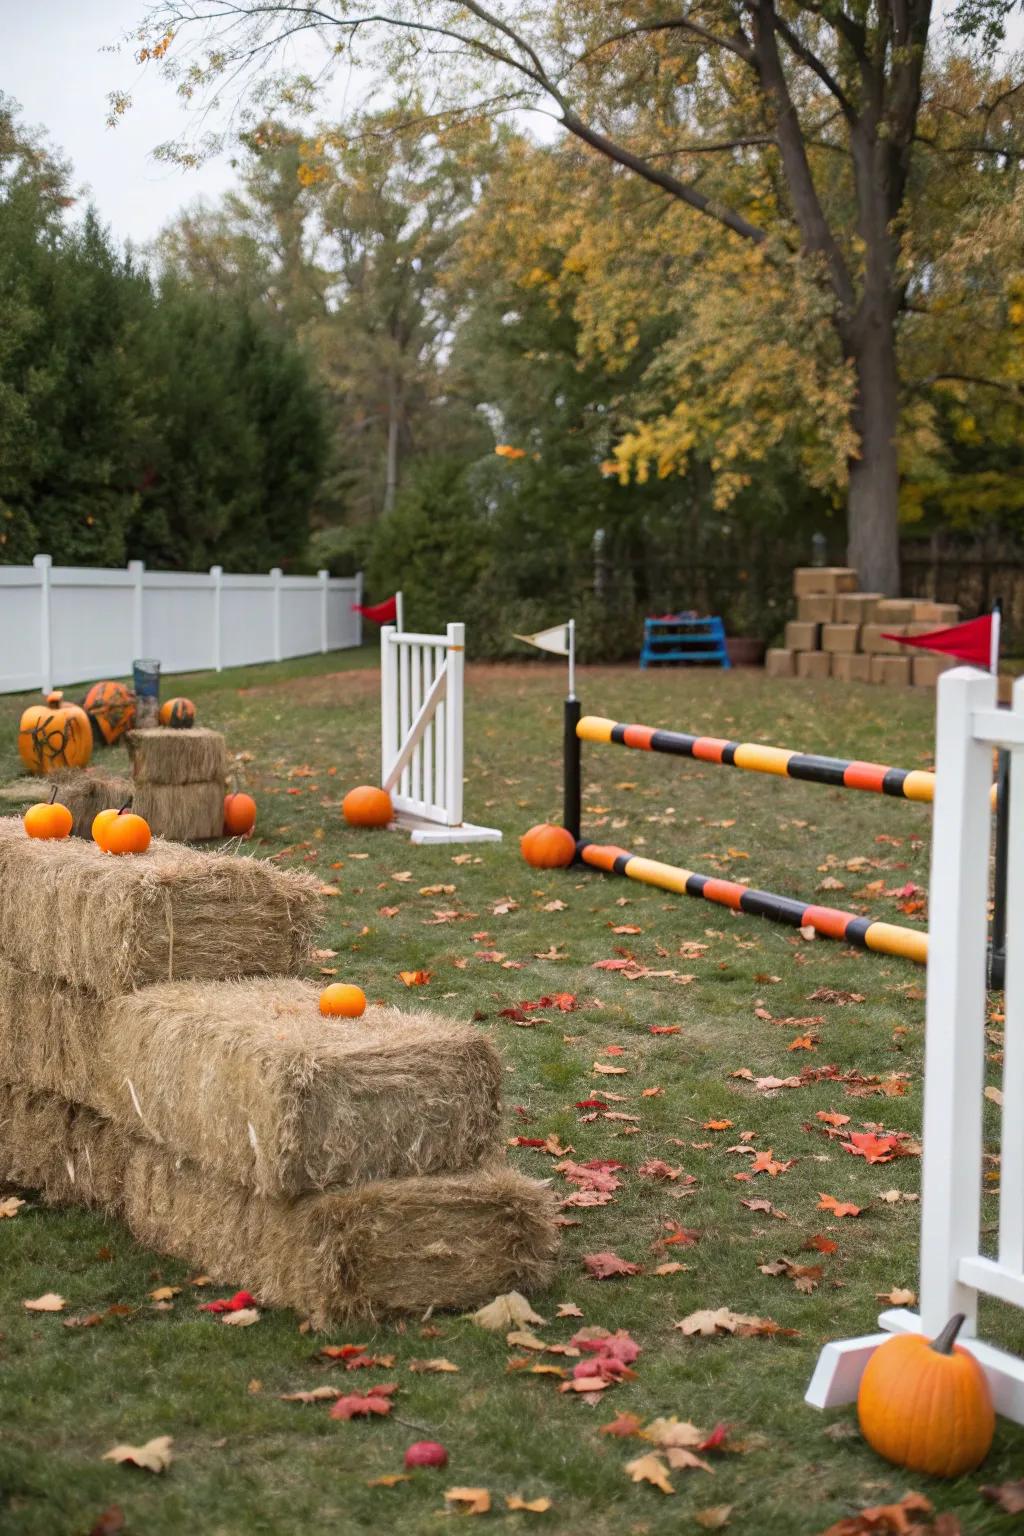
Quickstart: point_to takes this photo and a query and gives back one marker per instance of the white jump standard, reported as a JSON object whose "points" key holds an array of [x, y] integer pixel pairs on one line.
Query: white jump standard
{"points": [[422, 726], [954, 1270]]}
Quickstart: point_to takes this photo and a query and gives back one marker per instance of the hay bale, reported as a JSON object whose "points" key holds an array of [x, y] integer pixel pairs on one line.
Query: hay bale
{"points": [[250, 1080], [174, 913], [195, 756], [452, 1241], [182, 813], [86, 794]]}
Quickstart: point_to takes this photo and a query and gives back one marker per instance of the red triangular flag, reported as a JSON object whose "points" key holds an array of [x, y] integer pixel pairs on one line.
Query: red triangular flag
{"points": [[379, 613], [969, 642]]}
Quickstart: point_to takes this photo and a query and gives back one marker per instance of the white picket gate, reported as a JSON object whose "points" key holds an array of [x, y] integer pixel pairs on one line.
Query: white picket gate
{"points": [[422, 725], [957, 1267]]}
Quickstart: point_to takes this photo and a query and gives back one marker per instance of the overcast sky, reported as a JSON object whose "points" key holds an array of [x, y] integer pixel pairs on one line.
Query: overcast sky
{"points": [[52, 62]]}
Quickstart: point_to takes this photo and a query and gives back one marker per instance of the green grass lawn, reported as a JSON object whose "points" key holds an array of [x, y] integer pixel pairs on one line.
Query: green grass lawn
{"points": [[739, 990]]}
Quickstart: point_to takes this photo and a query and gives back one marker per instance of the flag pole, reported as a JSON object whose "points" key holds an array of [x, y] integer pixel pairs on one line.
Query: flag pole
{"points": [[399, 613], [571, 647], [572, 794], [997, 959]]}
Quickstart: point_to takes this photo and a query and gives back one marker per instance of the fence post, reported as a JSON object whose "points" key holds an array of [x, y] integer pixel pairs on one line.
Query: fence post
{"points": [[955, 1013], [359, 617], [137, 571], [275, 576], [324, 594], [456, 659], [388, 700], [43, 564], [216, 573]]}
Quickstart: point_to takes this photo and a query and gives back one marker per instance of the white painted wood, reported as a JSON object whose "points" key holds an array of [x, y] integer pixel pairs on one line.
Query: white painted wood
{"points": [[1005, 1372], [993, 1278], [1011, 1147], [422, 741], [839, 1370], [68, 624], [955, 1009], [323, 577], [999, 727], [275, 576]]}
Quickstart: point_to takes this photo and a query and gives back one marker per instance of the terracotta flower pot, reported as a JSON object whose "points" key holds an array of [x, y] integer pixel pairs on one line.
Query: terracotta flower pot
{"points": [[744, 651]]}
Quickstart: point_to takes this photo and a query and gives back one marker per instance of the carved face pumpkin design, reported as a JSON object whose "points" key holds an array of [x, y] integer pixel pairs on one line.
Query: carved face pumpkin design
{"points": [[111, 710]]}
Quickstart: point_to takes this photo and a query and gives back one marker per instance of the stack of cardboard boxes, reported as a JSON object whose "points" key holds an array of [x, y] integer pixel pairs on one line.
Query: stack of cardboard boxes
{"points": [[838, 632]]}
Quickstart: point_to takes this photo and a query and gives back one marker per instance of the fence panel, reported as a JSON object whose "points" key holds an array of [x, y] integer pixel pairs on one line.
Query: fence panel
{"points": [[66, 624]]}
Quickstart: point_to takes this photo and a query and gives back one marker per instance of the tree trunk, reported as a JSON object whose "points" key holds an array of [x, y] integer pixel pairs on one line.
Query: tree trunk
{"points": [[873, 499], [391, 474]]}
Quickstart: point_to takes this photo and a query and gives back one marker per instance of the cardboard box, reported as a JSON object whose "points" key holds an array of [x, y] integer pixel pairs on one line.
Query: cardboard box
{"points": [[857, 607], [811, 579], [840, 637], [818, 608], [871, 639], [852, 669], [890, 611], [893, 671], [925, 670], [937, 615], [802, 637], [813, 664], [780, 663]]}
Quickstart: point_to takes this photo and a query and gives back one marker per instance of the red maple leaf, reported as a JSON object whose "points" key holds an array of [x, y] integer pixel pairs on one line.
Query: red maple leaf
{"points": [[361, 1404], [237, 1303], [874, 1149], [837, 1207], [663, 1029]]}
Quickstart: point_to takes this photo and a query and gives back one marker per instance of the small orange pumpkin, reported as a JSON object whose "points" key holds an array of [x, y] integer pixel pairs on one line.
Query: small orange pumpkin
{"points": [[54, 735], [49, 818], [925, 1404], [367, 806], [102, 821], [111, 710], [548, 847], [341, 1000], [239, 815], [126, 833], [178, 714]]}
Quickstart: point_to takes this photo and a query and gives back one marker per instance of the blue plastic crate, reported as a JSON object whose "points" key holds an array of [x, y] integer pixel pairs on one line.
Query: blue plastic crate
{"points": [[683, 639]]}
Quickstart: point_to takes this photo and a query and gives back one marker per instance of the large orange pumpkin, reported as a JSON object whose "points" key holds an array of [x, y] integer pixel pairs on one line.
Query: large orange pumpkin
{"points": [[925, 1403], [111, 710], [54, 735], [179, 714], [367, 806], [548, 847]]}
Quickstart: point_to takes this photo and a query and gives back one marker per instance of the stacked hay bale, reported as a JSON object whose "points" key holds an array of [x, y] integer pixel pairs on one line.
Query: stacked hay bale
{"points": [[179, 779], [838, 632], [341, 1168]]}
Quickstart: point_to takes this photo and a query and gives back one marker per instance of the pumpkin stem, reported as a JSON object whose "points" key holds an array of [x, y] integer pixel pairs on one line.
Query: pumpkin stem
{"points": [[126, 807], [53, 795], [943, 1344]]}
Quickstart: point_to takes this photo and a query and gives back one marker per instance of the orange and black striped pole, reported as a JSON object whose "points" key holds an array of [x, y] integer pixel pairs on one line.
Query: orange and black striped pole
{"points": [[830, 922], [877, 778]]}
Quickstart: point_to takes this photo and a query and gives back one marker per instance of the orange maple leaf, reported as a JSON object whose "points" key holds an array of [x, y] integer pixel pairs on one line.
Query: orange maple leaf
{"points": [[837, 1207]]}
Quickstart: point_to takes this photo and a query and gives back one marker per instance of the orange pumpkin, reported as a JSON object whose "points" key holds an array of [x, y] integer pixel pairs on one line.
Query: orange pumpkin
{"points": [[49, 818], [54, 735], [925, 1404], [340, 1000], [126, 833], [100, 823], [548, 847], [239, 815], [179, 714], [367, 806], [111, 711]]}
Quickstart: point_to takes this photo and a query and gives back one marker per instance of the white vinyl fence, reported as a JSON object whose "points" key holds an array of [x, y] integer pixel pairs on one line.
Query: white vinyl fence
{"points": [[70, 624]]}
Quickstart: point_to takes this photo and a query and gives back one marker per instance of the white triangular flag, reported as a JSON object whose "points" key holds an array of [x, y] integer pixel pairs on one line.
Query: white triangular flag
{"points": [[555, 639]]}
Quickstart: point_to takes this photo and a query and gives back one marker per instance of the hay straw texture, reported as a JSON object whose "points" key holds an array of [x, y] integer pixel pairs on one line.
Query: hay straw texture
{"points": [[86, 794], [173, 913], [183, 813], [452, 1241], [248, 1079], [161, 756]]}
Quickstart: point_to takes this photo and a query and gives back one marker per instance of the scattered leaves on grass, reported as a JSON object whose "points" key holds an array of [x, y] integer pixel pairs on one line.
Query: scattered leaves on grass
{"points": [[528, 1506], [714, 1518], [315, 1395], [650, 1469], [437, 1367], [510, 1310], [244, 1317], [389, 1480], [414, 978], [805, 1277], [910, 1517], [50, 1302], [165, 1292], [469, 1501], [565, 1309], [900, 1296], [359, 1405], [10, 1207], [607, 1266], [154, 1456], [708, 1323], [622, 1427], [241, 1301]]}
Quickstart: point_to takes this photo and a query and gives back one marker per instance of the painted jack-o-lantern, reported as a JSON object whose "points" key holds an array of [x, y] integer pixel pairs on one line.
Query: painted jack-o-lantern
{"points": [[179, 714], [54, 735], [111, 710]]}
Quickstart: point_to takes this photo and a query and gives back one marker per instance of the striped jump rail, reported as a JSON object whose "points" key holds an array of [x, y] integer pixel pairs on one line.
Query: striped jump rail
{"points": [[876, 778], [830, 922]]}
